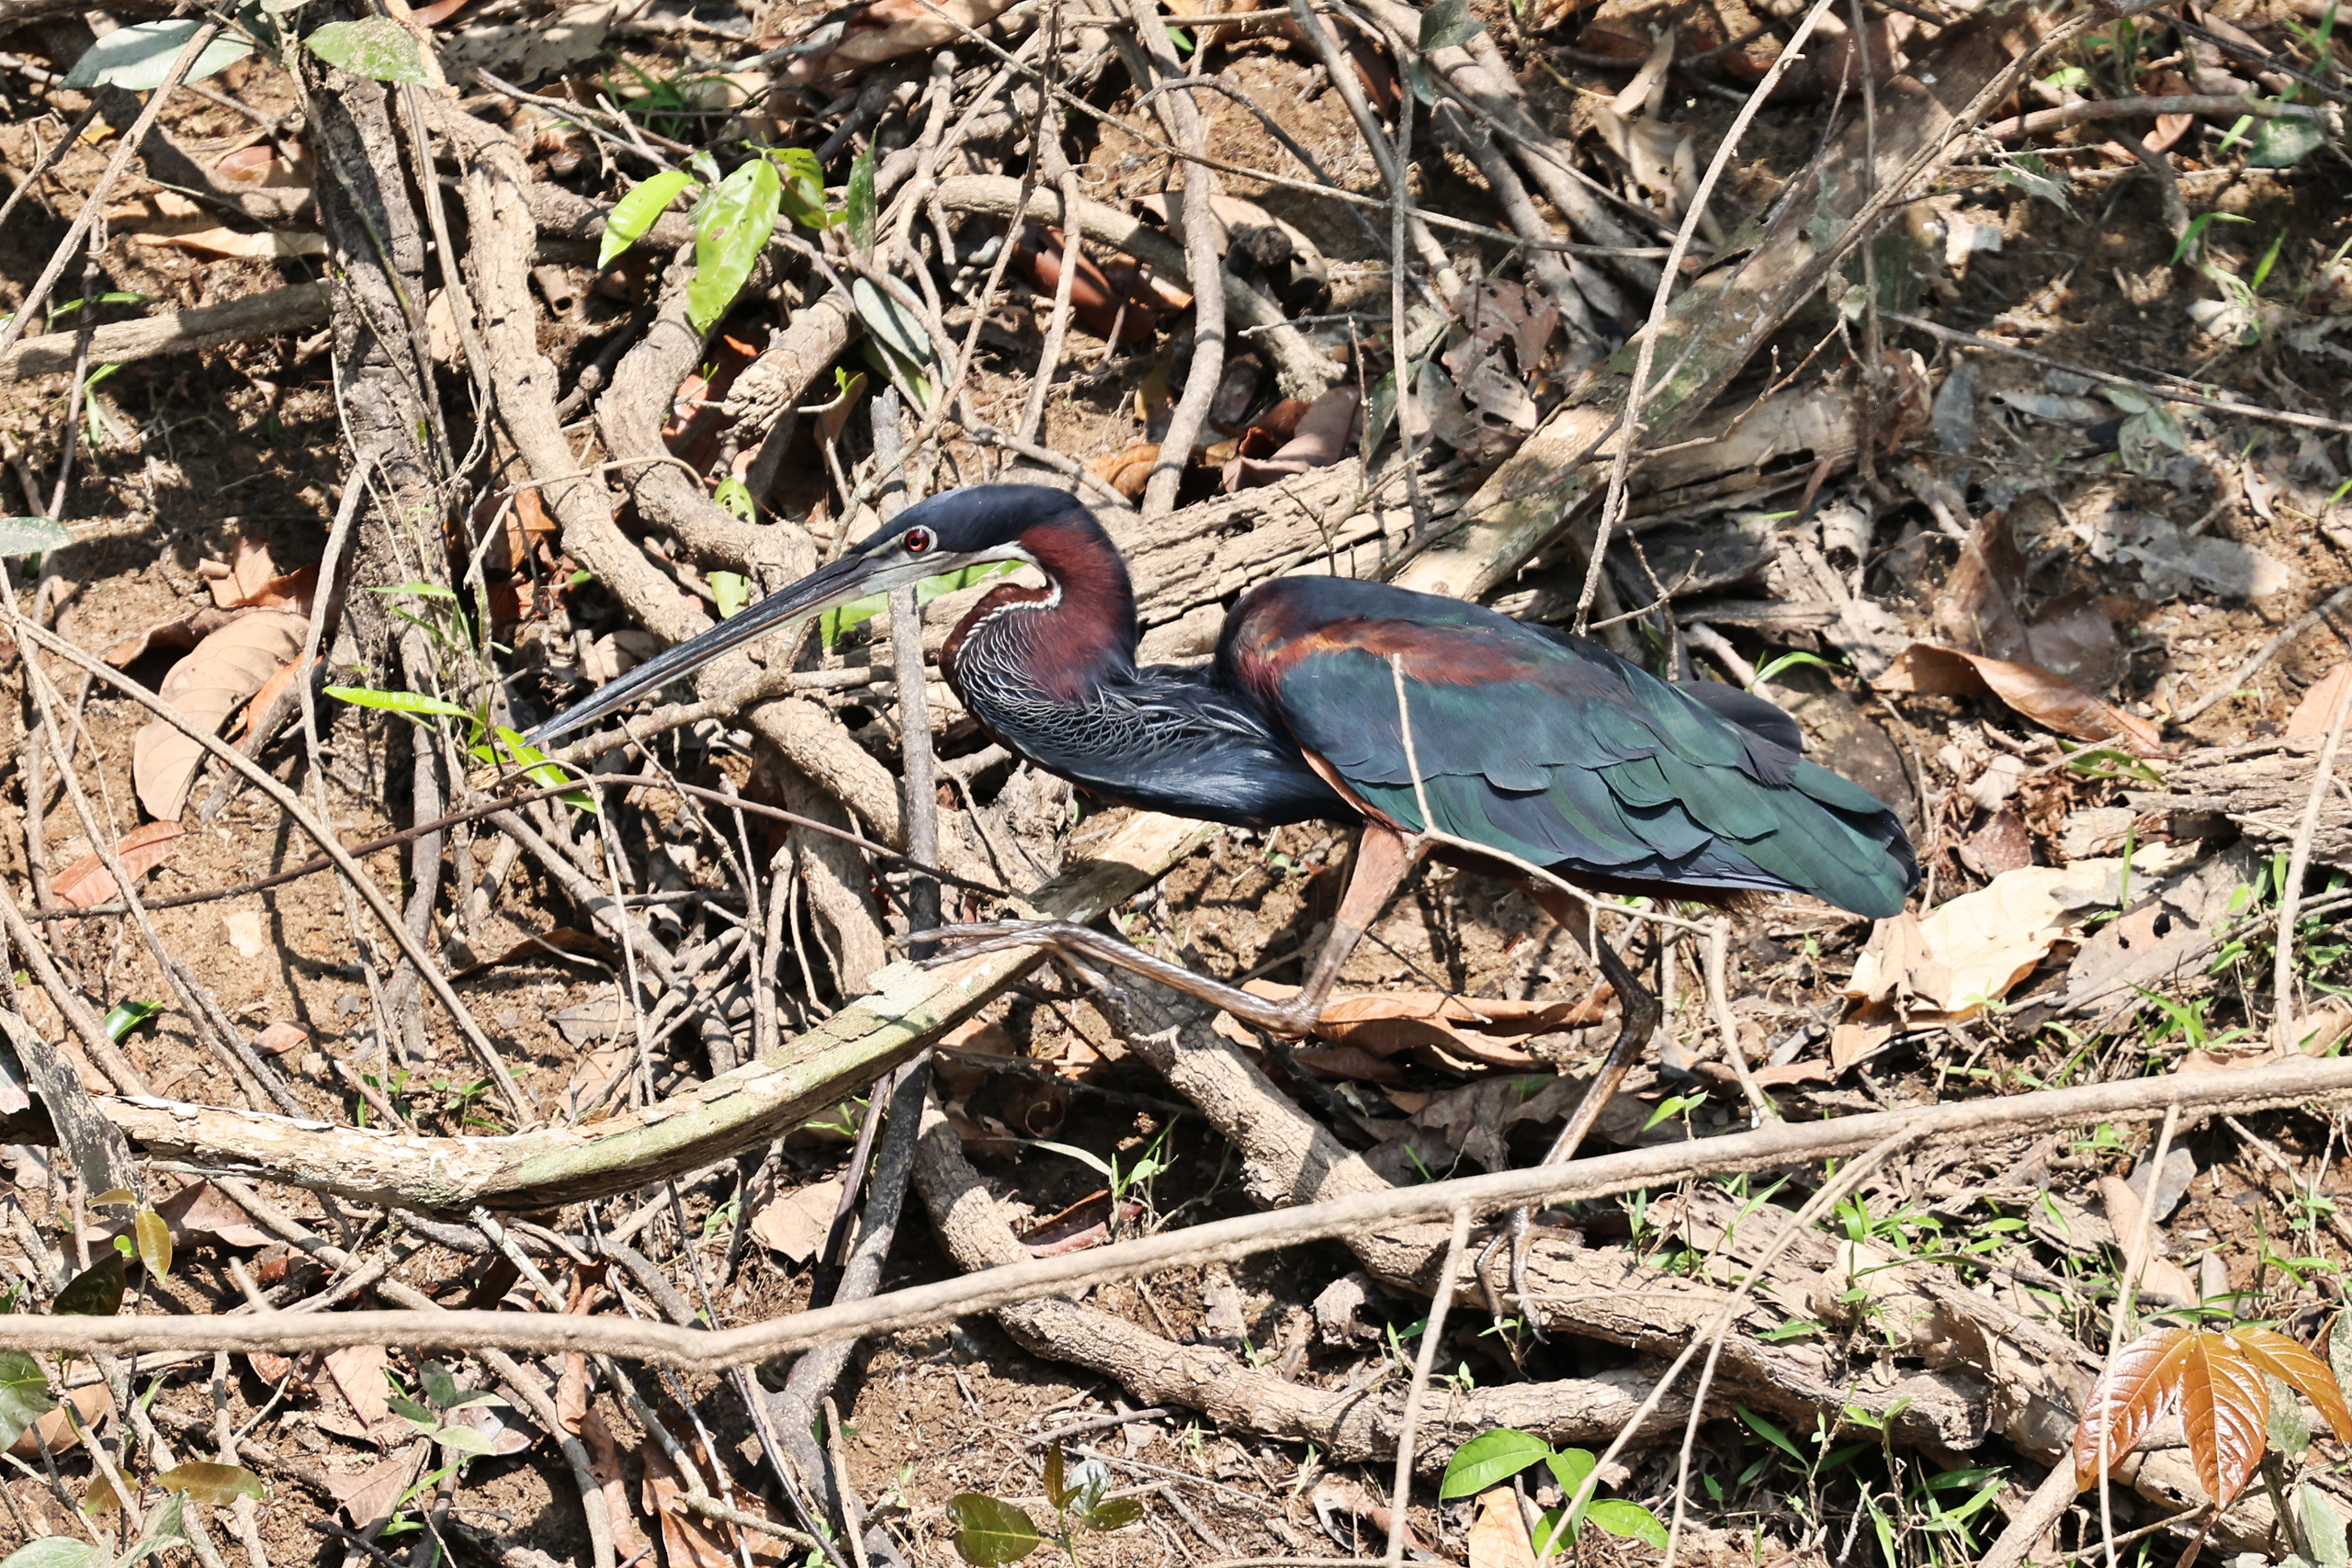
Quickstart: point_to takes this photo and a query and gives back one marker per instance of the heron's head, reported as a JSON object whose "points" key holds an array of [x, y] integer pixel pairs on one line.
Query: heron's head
{"points": [[967, 527]]}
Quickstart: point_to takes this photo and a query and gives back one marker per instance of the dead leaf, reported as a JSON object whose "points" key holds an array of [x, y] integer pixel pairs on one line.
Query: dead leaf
{"points": [[89, 1403], [1388, 1023], [215, 240], [252, 581], [245, 932], [1113, 297], [180, 631], [1326, 430], [358, 1372], [1974, 948], [1476, 1119], [796, 1223], [260, 704], [604, 1467], [887, 30], [2316, 712], [690, 1540], [2002, 844], [281, 1036], [1498, 1532], [367, 1495], [198, 1212], [87, 881], [1849, 1043], [2046, 698], [2154, 1276], [218, 675], [1128, 471]]}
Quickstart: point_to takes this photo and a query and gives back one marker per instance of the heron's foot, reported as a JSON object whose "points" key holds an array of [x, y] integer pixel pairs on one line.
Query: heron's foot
{"points": [[1518, 1306], [1075, 941]]}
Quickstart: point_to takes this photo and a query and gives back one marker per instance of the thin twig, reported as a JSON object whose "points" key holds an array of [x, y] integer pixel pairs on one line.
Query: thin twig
{"points": [[2290, 890], [1630, 432], [1432, 1335]]}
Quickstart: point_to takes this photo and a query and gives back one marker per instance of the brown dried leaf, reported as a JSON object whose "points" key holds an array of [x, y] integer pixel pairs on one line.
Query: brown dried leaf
{"points": [[2317, 710], [605, 1467], [368, 1497], [252, 580], [2048, 699], [87, 881], [794, 1224], [223, 671], [887, 30], [358, 1372], [1978, 608], [281, 1036], [89, 1404], [197, 1213], [1128, 471], [1975, 948], [1499, 1533], [2209, 1378], [180, 631]]}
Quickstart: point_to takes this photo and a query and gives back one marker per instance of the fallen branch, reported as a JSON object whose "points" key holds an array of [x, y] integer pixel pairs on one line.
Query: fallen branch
{"points": [[293, 310], [548, 1168]]}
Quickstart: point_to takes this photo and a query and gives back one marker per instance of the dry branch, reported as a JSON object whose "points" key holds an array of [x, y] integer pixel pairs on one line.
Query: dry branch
{"points": [[295, 309], [2262, 787], [1721, 321]]}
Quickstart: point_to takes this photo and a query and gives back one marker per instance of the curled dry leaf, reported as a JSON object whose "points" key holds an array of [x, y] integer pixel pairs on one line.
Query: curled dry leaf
{"points": [[794, 1223], [2048, 699], [87, 881], [206, 686], [2214, 1378], [1115, 296], [2317, 710], [887, 30], [1974, 948], [1325, 429], [1387, 1023], [180, 631], [252, 581], [1499, 1536], [1128, 471], [89, 1403]]}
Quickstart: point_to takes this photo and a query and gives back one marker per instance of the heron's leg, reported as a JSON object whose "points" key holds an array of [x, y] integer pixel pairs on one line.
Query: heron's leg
{"points": [[1383, 858], [1637, 1020]]}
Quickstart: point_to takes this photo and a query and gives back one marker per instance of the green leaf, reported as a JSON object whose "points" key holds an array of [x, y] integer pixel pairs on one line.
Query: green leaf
{"points": [[1058, 1492], [422, 590], [732, 225], [736, 496], [1448, 24], [634, 213], [513, 749], [892, 323], [124, 1017], [24, 1395], [1569, 1467], [138, 58], [1630, 1520], [464, 1439], [733, 591], [2032, 175], [31, 536], [804, 188], [859, 209], [1489, 1459], [95, 1291], [989, 1532], [375, 47], [1769, 1433], [2323, 1527], [413, 702], [154, 1236], [1120, 1512], [2283, 142], [215, 1484], [51, 1551], [166, 1529]]}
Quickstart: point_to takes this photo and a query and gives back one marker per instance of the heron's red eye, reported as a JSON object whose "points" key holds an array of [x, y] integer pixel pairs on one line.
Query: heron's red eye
{"points": [[918, 540]]}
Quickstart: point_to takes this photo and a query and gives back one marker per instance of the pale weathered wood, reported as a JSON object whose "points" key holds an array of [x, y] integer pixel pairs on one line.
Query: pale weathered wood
{"points": [[546, 1169], [295, 309], [2263, 787]]}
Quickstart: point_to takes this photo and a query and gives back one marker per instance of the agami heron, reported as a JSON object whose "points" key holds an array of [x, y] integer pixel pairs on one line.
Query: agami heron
{"points": [[1542, 746]]}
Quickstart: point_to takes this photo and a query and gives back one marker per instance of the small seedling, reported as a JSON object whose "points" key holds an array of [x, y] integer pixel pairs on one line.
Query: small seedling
{"points": [[990, 1530], [1492, 1458]]}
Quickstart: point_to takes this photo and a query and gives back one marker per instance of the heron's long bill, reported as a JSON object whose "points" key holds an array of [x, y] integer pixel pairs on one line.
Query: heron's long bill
{"points": [[852, 577]]}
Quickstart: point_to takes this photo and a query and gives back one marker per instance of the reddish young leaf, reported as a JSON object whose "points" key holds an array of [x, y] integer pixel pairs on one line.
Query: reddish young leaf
{"points": [[2210, 1378], [2291, 1364]]}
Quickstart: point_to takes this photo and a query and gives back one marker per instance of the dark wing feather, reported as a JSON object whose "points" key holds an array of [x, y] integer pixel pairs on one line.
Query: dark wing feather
{"points": [[1557, 751]]}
